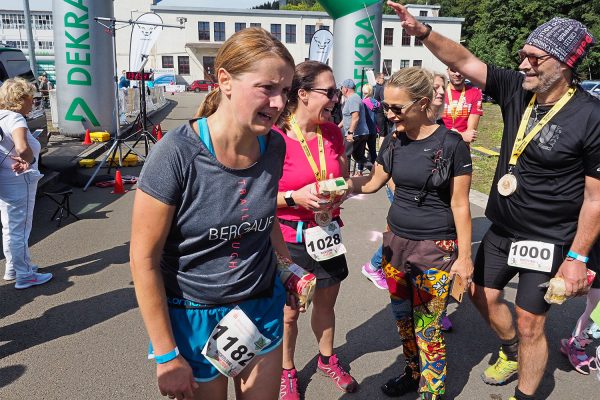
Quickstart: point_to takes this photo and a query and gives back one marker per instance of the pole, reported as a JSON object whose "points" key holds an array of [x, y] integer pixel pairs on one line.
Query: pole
{"points": [[30, 42]]}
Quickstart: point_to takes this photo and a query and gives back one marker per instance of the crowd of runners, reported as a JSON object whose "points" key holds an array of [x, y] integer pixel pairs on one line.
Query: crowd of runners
{"points": [[226, 196]]}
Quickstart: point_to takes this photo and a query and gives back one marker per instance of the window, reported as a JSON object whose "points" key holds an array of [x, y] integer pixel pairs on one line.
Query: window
{"points": [[276, 31], [13, 21], [404, 63], [422, 13], [418, 42], [387, 67], [290, 33], [183, 64], [17, 44], [42, 22], [167, 62], [405, 38], [219, 31], [324, 27], [45, 45], [388, 37], [255, 25], [239, 26], [417, 63], [309, 31], [203, 30]]}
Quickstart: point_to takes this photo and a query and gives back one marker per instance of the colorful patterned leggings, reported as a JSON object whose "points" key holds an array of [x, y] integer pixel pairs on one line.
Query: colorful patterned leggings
{"points": [[418, 281]]}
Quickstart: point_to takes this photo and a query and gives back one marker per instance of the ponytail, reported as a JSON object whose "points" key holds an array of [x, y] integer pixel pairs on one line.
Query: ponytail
{"points": [[209, 105]]}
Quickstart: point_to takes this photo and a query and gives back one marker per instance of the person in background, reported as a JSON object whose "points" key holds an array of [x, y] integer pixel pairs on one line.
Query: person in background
{"points": [[378, 95], [123, 81], [372, 107], [45, 86], [429, 241], [462, 107], [19, 176], [354, 126], [314, 152], [204, 232]]}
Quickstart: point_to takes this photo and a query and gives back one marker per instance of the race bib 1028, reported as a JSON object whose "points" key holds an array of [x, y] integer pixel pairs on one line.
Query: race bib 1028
{"points": [[324, 242]]}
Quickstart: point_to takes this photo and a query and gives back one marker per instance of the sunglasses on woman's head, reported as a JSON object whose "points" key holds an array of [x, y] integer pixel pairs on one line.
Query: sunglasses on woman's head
{"points": [[329, 92]]}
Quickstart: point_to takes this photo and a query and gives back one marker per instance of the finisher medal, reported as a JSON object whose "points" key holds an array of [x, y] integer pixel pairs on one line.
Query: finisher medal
{"points": [[507, 185], [323, 218]]}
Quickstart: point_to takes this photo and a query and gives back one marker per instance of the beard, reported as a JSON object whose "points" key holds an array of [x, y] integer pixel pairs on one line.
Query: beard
{"points": [[545, 80]]}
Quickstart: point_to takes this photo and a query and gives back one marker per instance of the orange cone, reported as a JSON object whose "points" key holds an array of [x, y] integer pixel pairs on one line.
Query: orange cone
{"points": [[87, 140], [154, 130], [119, 188], [159, 134]]}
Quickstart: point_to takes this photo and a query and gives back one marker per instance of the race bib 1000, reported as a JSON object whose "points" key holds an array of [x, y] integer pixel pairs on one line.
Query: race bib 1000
{"points": [[233, 343], [529, 254]]}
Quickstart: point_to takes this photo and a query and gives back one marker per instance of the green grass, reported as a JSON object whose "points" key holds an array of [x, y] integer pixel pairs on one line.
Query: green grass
{"points": [[490, 136]]}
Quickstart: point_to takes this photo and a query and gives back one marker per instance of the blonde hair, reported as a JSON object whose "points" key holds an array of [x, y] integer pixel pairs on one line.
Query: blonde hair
{"points": [[367, 90], [238, 55], [416, 81], [12, 93], [440, 75]]}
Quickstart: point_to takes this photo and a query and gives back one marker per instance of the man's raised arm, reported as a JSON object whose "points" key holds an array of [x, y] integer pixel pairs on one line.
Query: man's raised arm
{"points": [[457, 57]]}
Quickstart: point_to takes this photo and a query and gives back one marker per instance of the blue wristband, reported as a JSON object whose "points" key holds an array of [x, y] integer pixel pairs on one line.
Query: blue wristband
{"points": [[165, 358], [578, 257]]}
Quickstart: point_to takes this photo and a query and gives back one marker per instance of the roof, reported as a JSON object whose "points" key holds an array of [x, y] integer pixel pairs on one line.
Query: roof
{"points": [[160, 7]]}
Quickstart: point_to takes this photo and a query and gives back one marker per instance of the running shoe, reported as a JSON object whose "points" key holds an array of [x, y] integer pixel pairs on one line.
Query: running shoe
{"points": [[593, 331], [343, 380], [288, 390], [12, 274], [32, 280], [574, 349], [501, 371], [446, 324], [375, 275], [405, 383]]}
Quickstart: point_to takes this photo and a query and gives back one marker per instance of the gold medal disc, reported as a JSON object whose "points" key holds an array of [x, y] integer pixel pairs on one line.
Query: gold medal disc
{"points": [[323, 218], [507, 185]]}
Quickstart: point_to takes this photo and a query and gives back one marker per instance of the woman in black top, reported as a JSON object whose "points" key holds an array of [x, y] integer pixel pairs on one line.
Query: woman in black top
{"points": [[430, 226]]}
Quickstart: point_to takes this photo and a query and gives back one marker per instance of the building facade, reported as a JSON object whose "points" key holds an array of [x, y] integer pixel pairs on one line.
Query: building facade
{"points": [[14, 34], [191, 51]]}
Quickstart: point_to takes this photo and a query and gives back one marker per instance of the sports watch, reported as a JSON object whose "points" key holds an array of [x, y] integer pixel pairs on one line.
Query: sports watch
{"points": [[289, 200]]}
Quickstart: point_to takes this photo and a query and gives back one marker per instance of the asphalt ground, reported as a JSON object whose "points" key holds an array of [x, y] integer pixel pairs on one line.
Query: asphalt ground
{"points": [[81, 336]]}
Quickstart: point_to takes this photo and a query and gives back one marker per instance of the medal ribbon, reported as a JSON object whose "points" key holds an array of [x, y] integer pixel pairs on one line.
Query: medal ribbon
{"points": [[520, 142], [319, 175], [453, 111]]}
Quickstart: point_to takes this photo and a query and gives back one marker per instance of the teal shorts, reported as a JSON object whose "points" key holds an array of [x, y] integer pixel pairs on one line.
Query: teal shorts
{"points": [[193, 326]]}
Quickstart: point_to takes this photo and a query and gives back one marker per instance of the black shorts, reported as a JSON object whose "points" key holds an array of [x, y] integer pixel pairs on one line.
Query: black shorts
{"points": [[329, 272], [492, 270]]}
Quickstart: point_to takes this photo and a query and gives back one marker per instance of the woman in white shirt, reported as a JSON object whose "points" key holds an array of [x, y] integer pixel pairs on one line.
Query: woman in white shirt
{"points": [[19, 177]]}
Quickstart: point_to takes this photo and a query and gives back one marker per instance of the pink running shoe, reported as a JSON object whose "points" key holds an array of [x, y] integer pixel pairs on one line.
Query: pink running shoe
{"points": [[344, 381], [575, 352], [288, 389], [375, 275]]}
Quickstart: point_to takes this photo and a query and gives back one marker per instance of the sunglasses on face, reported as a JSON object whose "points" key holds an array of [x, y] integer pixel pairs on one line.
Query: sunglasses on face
{"points": [[329, 92], [534, 60], [396, 109]]}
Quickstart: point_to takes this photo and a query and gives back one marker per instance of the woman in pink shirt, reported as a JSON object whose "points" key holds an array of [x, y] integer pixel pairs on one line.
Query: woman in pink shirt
{"points": [[314, 152]]}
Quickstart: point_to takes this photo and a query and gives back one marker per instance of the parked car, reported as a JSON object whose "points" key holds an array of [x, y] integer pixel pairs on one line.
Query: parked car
{"points": [[202, 85], [13, 63], [592, 87]]}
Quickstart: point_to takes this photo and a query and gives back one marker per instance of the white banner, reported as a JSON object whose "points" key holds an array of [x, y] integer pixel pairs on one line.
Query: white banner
{"points": [[143, 37], [320, 45]]}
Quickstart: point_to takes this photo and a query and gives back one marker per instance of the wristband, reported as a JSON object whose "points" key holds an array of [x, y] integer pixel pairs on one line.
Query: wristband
{"points": [[426, 34], [577, 257], [165, 358]]}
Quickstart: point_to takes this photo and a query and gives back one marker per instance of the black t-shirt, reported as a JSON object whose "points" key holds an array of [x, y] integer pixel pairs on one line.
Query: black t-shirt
{"points": [[412, 164], [551, 171]]}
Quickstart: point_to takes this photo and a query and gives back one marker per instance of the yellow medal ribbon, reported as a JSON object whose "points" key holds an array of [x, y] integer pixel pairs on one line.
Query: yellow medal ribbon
{"points": [[520, 142], [453, 111], [319, 175]]}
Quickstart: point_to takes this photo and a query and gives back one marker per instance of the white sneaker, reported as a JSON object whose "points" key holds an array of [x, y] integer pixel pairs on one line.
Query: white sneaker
{"points": [[12, 274], [32, 280]]}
